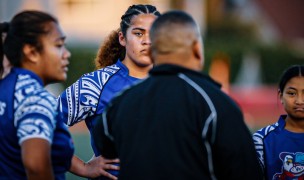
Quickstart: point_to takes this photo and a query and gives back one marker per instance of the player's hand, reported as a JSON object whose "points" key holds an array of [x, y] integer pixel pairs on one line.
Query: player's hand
{"points": [[97, 166]]}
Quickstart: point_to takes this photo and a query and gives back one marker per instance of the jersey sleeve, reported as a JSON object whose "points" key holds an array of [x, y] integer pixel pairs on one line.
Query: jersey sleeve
{"points": [[80, 100], [35, 111], [258, 139], [259, 147]]}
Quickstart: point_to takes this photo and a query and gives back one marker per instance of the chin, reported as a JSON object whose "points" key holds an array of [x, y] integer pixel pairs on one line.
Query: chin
{"points": [[145, 63]]}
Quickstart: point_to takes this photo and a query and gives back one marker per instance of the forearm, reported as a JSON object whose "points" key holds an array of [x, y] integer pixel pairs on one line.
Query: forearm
{"points": [[46, 174], [95, 167], [78, 167], [37, 161]]}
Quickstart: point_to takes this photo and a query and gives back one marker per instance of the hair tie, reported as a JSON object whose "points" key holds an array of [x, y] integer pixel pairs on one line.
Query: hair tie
{"points": [[4, 27]]}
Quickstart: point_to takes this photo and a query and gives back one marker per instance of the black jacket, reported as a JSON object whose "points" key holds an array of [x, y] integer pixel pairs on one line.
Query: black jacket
{"points": [[177, 124]]}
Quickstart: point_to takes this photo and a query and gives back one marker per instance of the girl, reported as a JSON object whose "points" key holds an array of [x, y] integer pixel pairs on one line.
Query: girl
{"points": [[280, 146], [35, 144], [121, 61]]}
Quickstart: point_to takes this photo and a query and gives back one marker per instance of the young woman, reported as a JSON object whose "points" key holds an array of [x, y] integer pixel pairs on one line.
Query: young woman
{"points": [[121, 61], [280, 146], [35, 143]]}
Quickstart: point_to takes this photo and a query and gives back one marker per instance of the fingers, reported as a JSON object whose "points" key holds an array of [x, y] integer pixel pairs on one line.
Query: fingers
{"points": [[109, 175], [110, 160], [111, 167]]}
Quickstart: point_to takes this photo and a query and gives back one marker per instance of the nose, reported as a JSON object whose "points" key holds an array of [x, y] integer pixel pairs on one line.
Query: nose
{"points": [[300, 99], [66, 54], [146, 40]]}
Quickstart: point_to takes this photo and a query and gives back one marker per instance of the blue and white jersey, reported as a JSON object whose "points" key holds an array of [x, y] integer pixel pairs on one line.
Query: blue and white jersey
{"points": [[28, 111], [280, 152], [90, 94]]}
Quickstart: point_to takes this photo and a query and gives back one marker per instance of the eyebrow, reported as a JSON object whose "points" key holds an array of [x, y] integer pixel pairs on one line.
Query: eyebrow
{"points": [[292, 88], [138, 28], [61, 38]]}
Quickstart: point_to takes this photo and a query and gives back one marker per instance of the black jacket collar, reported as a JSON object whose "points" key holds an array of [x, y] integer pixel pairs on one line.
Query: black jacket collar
{"points": [[169, 69]]}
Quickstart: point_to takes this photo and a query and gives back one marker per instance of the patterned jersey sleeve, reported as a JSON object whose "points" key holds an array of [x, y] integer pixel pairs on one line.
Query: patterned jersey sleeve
{"points": [[259, 146], [80, 100], [35, 110], [258, 139]]}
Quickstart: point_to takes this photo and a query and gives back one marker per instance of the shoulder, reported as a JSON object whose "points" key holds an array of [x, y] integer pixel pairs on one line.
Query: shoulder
{"points": [[100, 76], [108, 70], [264, 132], [30, 96]]}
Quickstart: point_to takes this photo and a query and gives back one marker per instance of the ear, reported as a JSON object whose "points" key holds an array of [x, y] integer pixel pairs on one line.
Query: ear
{"points": [[150, 54], [280, 94], [197, 51], [31, 53], [122, 39]]}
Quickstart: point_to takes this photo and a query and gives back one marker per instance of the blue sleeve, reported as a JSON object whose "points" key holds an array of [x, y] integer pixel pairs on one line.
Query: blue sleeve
{"points": [[80, 100], [35, 111], [259, 147]]}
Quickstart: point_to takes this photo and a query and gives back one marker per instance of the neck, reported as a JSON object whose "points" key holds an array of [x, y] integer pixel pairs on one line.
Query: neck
{"points": [[35, 69], [293, 125], [136, 70], [179, 59]]}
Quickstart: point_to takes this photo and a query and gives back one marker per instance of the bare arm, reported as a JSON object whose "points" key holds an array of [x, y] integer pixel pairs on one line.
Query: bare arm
{"points": [[95, 167], [36, 158]]}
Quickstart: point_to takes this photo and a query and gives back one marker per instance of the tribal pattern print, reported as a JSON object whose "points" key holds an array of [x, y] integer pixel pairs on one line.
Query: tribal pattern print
{"points": [[35, 110], [81, 99], [258, 141]]}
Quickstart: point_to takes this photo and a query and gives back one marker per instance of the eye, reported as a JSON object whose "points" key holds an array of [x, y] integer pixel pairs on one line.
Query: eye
{"points": [[139, 34], [60, 45], [291, 93]]}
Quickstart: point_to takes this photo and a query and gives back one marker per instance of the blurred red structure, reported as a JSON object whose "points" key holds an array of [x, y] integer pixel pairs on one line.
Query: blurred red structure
{"points": [[261, 105]]}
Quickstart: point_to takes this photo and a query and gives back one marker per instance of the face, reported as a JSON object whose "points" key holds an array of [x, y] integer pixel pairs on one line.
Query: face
{"points": [[292, 98], [54, 56], [137, 41]]}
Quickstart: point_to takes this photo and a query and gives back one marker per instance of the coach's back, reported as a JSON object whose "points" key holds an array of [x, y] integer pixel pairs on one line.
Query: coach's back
{"points": [[177, 124]]}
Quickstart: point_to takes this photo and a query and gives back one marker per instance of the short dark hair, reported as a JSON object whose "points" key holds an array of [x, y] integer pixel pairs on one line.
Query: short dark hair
{"points": [[172, 30]]}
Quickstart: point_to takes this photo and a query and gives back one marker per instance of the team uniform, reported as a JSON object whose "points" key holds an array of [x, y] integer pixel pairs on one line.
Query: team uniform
{"points": [[89, 96], [28, 111], [281, 152], [177, 124]]}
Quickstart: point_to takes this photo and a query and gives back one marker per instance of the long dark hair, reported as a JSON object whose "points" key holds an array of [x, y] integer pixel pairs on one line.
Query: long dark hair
{"points": [[111, 50], [25, 28]]}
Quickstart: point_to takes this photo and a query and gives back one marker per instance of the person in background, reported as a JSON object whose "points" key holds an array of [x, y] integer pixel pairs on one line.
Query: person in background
{"points": [[5, 63], [177, 123], [35, 143], [121, 61], [279, 146]]}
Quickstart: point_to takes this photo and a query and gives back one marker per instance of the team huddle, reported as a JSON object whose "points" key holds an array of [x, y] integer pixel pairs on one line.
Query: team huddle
{"points": [[151, 112]]}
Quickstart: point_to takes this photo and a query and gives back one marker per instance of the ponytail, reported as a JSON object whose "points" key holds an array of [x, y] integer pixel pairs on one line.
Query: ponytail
{"points": [[110, 51]]}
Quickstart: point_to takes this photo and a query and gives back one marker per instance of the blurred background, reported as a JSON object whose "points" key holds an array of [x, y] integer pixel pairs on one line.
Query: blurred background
{"points": [[248, 44]]}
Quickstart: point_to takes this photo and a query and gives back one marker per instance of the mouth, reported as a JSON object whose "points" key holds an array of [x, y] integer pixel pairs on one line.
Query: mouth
{"points": [[65, 69], [145, 52], [300, 109]]}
